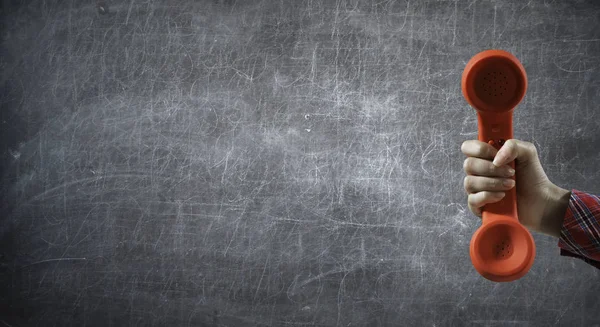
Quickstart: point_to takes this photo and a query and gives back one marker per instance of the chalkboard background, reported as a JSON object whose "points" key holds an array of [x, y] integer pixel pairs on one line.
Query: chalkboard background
{"points": [[281, 163]]}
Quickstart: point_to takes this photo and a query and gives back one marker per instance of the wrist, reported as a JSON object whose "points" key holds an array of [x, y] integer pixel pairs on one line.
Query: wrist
{"points": [[554, 211]]}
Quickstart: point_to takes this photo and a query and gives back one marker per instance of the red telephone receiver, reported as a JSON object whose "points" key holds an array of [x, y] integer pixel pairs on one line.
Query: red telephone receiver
{"points": [[494, 82]]}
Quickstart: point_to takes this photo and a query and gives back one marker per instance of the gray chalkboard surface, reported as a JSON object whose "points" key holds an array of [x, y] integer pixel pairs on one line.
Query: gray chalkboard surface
{"points": [[277, 163]]}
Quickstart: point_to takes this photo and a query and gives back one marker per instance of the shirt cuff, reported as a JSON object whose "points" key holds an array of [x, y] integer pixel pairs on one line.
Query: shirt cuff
{"points": [[580, 231]]}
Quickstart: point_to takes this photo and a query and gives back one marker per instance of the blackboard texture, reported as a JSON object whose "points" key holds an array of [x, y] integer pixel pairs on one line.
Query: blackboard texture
{"points": [[277, 163]]}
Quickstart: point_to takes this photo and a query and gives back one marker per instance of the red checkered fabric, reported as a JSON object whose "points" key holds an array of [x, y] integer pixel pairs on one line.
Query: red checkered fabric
{"points": [[580, 232]]}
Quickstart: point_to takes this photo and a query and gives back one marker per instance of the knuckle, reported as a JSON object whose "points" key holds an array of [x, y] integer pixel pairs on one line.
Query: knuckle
{"points": [[468, 164], [471, 201], [467, 184], [481, 149], [511, 145], [530, 147], [474, 201]]}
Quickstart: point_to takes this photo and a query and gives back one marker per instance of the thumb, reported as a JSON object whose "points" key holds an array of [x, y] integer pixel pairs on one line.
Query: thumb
{"points": [[513, 149]]}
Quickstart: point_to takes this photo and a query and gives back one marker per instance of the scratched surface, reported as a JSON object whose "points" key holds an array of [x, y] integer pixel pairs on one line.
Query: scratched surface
{"points": [[273, 163]]}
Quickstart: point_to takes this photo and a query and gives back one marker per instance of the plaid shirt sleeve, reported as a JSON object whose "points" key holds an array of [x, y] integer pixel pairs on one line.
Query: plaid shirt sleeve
{"points": [[580, 232]]}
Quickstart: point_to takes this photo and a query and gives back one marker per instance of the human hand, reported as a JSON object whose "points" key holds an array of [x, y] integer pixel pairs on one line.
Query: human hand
{"points": [[540, 204]]}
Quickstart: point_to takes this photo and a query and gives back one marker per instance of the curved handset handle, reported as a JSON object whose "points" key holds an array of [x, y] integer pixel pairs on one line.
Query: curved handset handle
{"points": [[495, 129]]}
